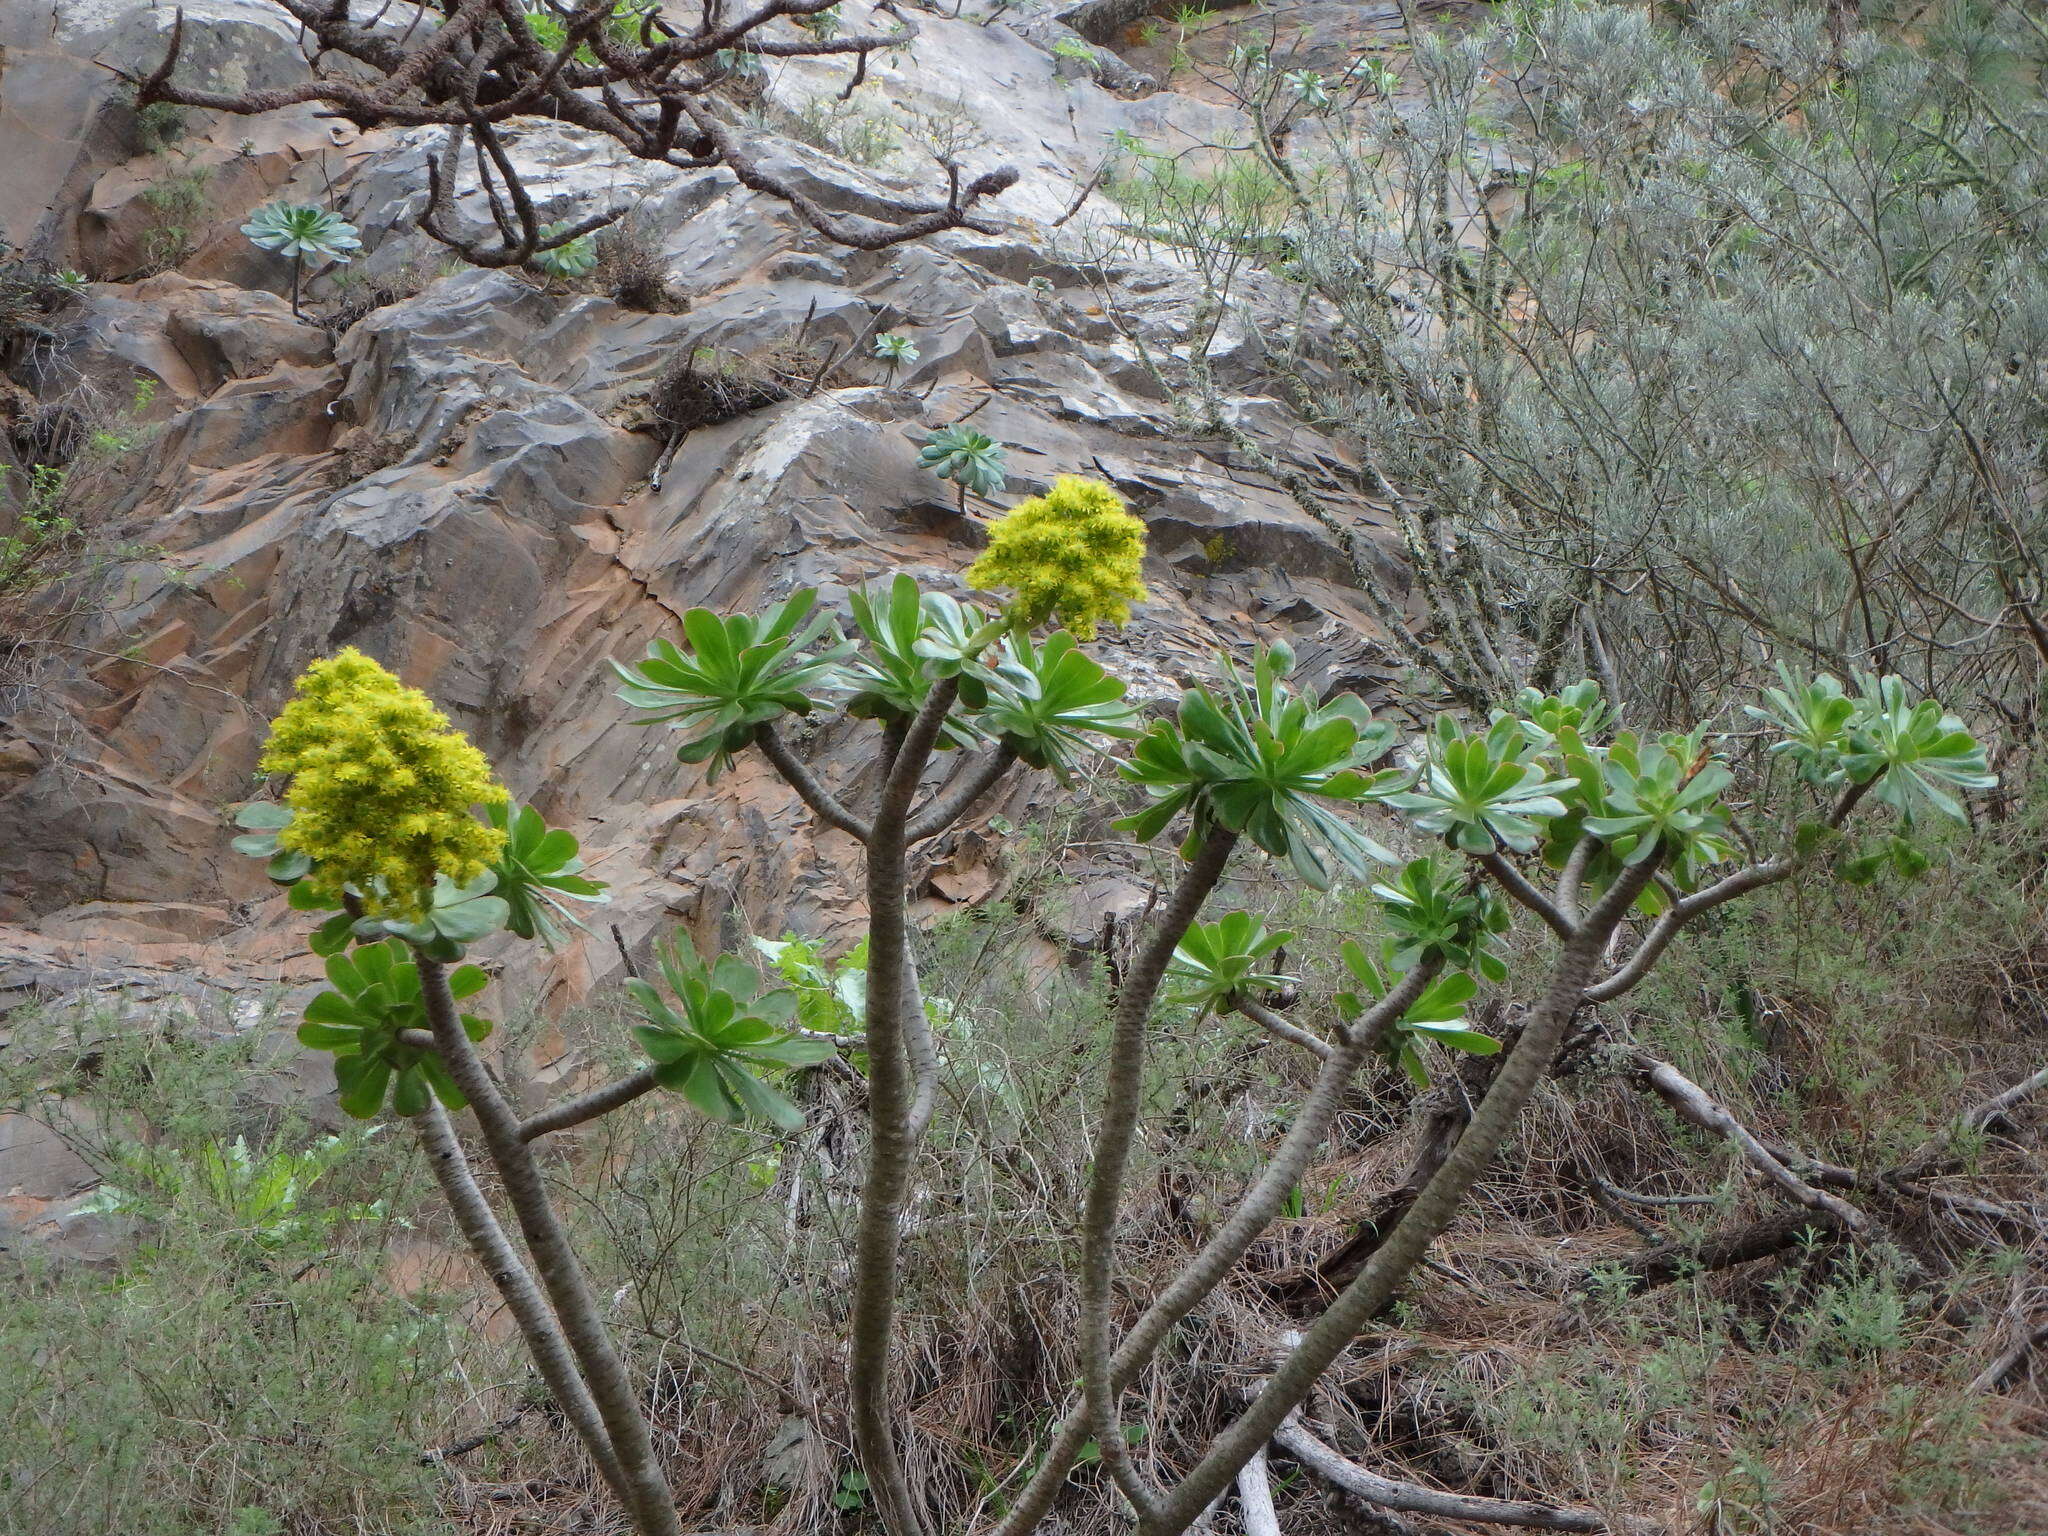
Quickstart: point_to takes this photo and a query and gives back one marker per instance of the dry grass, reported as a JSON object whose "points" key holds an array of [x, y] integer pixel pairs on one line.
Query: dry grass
{"points": [[710, 385], [631, 269]]}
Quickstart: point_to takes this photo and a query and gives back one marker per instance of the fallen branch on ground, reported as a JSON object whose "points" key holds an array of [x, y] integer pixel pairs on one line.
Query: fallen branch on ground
{"points": [[1928, 1157], [1255, 1498], [1294, 1438], [1724, 1250], [1697, 1107], [1999, 1371]]}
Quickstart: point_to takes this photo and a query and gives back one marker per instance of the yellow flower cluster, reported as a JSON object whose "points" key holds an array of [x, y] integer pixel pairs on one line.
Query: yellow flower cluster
{"points": [[1073, 554], [381, 788]]}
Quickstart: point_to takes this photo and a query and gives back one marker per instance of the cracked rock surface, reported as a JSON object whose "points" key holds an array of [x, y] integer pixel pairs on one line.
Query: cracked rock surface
{"points": [[476, 481]]}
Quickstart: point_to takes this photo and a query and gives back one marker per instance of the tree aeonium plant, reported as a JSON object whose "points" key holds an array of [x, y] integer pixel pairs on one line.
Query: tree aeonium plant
{"points": [[1073, 555], [1611, 841], [379, 819], [299, 230]]}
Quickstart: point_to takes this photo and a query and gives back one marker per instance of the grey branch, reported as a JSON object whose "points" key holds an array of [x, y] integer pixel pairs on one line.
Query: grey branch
{"points": [[483, 66], [1928, 1156], [1294, 1438], [1279, 1026], [523, 1299], [1698, 1107], [554, 1262], [1122, 1099], [588, 1106], [823, 803], [1521, 1070], [1722, 891], [1255, 1498], [1511, 880], [960, 796], [901, 1061], [1995, 1375], [1202, 1274]]}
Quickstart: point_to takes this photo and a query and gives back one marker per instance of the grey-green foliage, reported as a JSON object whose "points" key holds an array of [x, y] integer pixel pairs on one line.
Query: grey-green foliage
{"points": [[1707, 331], [263, 1196], [973, 460], [571, 258], [302, 231], [1046, 703], [299, 230]]}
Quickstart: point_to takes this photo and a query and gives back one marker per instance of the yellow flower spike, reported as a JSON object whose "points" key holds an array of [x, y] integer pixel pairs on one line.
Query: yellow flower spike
{"points": [[1072, 554], [381, 788]]}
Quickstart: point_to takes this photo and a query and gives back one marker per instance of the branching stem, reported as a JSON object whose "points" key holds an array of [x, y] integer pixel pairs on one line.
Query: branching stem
{"points": [[1122, 1100], [647, 1495]]}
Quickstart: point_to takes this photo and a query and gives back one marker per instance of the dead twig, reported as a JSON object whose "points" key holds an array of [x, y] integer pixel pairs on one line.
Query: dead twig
{"points": [[1697, 1107], [2001, 1370], [1294, 1438]]}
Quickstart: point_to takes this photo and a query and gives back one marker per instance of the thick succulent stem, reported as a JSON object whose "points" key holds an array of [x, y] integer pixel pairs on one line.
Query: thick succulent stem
{"points": [[1122, 1100], [588, 1106], [961, 796], [1543, 1030], [898, 1105], [823, 803], [1262, 1202], [647, 1494], [515, 1283], [1227, 1244]]}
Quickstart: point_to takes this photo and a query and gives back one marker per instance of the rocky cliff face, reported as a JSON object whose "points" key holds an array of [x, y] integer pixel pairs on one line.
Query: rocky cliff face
{"points": [[495, 485]]}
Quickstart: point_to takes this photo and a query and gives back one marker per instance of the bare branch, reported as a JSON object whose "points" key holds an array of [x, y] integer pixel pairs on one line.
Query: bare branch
{"points": [[1722, 891], [480, 64], [1521, 1070], [1255, 1499], [823, 803], [588, 1106], [1927, 1157], [523, 1299], [554, 1261], [1233, 1237], [1699, 1108], [1573, 874], [961, 796], [1995, 1375], [1722, 1250], [1279, 1026], [1511, 880], [1294, 1438], [901, 1062], [1122, 1099]]}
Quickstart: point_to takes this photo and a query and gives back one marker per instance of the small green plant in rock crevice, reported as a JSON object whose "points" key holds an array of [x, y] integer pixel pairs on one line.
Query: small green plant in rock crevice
{"points": [[568, 258], [177, 206], [62, 534], [160, 125], [972, 460], [300, 230], [860, 128], [895, 349]]}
